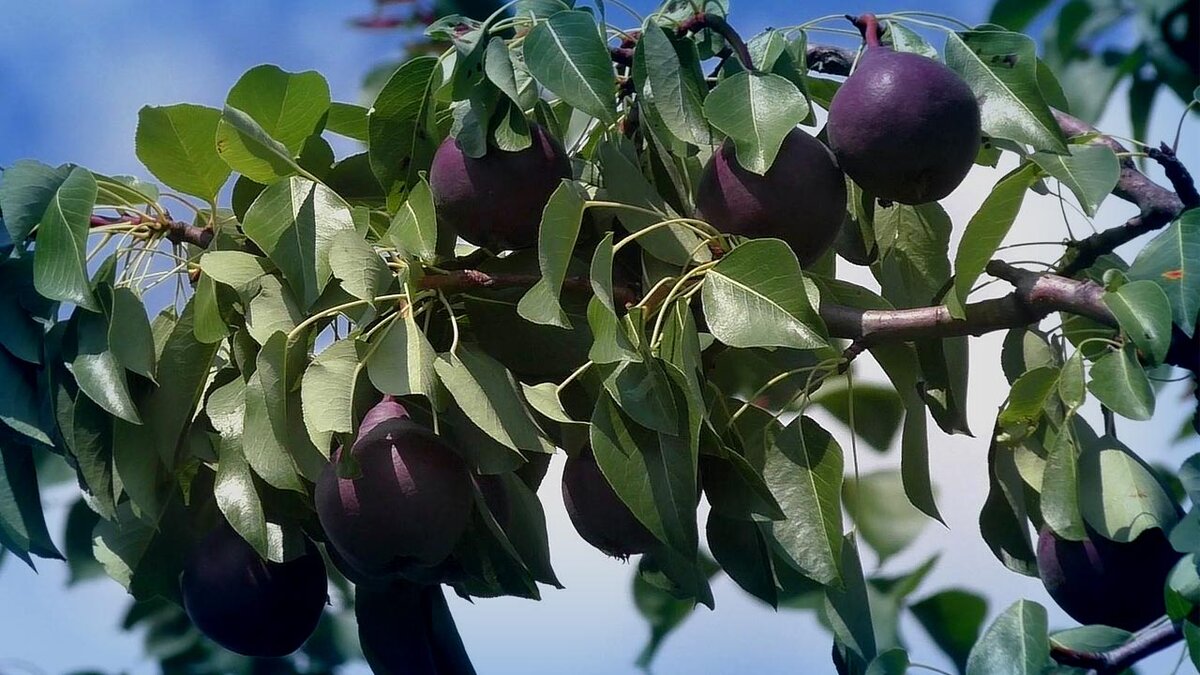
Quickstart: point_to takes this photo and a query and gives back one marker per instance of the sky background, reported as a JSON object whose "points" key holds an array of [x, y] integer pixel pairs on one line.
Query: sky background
{"points": [[75, 72]]}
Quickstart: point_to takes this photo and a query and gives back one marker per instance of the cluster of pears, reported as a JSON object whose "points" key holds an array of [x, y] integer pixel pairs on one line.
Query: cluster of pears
{"points": [[903, 127]]}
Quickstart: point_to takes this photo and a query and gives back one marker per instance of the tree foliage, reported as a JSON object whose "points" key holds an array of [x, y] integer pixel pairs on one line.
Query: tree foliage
{"points": [[196, 371]]}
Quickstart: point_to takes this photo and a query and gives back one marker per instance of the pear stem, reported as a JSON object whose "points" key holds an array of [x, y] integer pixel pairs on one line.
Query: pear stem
{"points": [[868, 25]]}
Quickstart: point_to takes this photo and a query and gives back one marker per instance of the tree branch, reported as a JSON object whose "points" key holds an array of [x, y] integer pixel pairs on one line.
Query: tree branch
{"points": [[1120, 658], [1158, 205], [1178, 174], [1037, 295]]}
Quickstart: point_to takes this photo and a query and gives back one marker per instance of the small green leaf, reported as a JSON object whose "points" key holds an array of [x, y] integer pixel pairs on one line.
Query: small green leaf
{"points": [[905, 39], [1121, 385], [129, 335], [498, 68], [561, 220], [401, 128], [265, 449], [26, 191], [803, 468], [238, 499], [236, 269], [567, 55], [59, 260], [1172, 260], [414, 228], [610, 344], [885, 519], [892, 662], [1120, 497], [1144, 313], [489, 396], [1027, 399], [357, 264], [248, 149], [176, 143], [1090, 171], [402, 364], [22, 523], [96, 369], [756, 110], [1001, 68], [347, 119], [1060, 487], [673, 84], [754, 297], [327, 390], [1017, 643], [295, 222], [643, 391], [953, 618], [985, 231], [1071, 383], [848, 608], [19, 400]]}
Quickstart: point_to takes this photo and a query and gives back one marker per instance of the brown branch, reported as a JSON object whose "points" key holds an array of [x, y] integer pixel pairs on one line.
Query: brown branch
{"points": [[177, 232], [1118, 659], [1178, 174], [1158, 205], [1037, 295]]}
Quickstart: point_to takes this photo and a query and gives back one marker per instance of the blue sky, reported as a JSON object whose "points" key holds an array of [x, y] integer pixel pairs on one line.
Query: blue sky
{"points": [[74, 74]]}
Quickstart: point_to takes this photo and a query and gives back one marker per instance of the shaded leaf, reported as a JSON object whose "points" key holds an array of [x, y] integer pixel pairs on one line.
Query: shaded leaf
{"points": [[1144, 313], [1090, 171], [559, 229], [756, 111], [59, 260], [567, 55], [1121, 385], [953, 619], [1172, 260], [1016, 643]]}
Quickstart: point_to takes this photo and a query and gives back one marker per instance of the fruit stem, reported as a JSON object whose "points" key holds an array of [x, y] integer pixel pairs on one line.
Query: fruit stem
{"points": [[868, 25], [718, 24]]}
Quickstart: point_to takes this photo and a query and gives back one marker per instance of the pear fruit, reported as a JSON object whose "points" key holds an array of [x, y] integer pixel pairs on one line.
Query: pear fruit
{"points": [[598, 514], [904, 127], [801, 199]]}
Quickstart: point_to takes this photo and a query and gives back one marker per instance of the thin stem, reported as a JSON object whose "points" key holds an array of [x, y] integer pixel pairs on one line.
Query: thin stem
{"points": [[453, 321], [904, 18], [332, 311], [573, 376], [932, 15], [1179, 128], [853, 441], [746, 405], [656, 332], [689, 223]]}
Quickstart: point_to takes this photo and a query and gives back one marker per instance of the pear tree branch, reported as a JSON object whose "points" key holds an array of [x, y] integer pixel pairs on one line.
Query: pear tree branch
{"points": [[1118, 659]]}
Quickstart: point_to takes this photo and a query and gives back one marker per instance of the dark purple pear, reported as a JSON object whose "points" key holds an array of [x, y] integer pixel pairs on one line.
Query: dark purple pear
{"points": [[496, 201], [409, 504], [598, 514], [903, 126], [249, 605], [801, 199], [1100, 581], [407, 629]]}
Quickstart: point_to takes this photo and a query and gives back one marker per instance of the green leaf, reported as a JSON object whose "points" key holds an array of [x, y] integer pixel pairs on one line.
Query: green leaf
{"points": [[357, 264], [1016, 643], [625, 183], [265, 448], [1060, 487], [236, 269], [1121, 385], [248, 149], [882, 514], [756, 111], [347, 119], [129, 335], [19, 401], [567, 55], [22, 335], [744, 554], [414, 229], [27, 189], [905, 39], [652, 474], [1144, 313], [913, 244], [81, 520], [22, 524], [561, 220], [673, 84], [848, 608], [210, 324], [1016, 14], [1120, 497], [270, 310], [1095, 638], [183, 369], [92, 445], [59, 264], [900, 364], [644, 393], [403, 362], [663, 611], [754, 297], [295, 222], [803, 469], [489, 396], [176, 143], [1003, 520], [498, 68], [1071, 383], [610, 343], [985, 231], [892, 662], [327, 390], [1090, 171], [1027, 399], [401, 129], [279, 369], [96, 369], [238, 499], [953, 618], [1001, 68], [1172, 260]]}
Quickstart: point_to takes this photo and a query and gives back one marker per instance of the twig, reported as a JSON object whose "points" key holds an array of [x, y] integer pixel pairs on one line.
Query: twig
{"points": [[1119, 658], [1178, 174]]}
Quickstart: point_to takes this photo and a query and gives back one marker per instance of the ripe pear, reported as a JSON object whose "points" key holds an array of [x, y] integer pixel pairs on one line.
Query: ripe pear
{"points": [[1100, 581], [496, 201], [249, 605], [409, 504], [598, 514], [801, 199], [905, 127]]}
